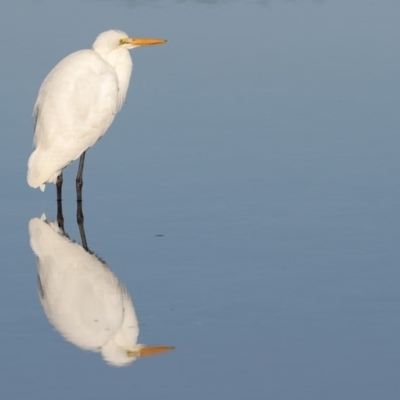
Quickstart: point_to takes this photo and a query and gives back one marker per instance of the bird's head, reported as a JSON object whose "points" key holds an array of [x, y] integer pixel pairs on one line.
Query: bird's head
{"points": [[113, 39]]}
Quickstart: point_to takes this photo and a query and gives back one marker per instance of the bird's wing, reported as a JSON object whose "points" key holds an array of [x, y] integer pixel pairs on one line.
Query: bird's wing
{"points": [[76, 104]]}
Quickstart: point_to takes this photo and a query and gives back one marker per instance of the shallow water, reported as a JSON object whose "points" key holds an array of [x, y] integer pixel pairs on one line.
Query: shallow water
{"points": [[246, 196]]}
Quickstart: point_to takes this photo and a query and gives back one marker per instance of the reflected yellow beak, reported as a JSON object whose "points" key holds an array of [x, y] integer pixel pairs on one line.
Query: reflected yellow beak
{"points": [[151, 351], [143, 41]]}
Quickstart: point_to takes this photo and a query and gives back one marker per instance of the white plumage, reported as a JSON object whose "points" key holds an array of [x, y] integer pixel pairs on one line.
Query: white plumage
{"points": [[77, 102], [83, 299]]}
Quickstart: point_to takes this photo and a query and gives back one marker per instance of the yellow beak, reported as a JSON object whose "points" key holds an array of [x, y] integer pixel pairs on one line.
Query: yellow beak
{"points": [[150, 351], [143, 41]]}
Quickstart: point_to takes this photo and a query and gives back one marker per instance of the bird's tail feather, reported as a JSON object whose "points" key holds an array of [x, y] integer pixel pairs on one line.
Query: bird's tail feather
{"points": [[40, 170]]}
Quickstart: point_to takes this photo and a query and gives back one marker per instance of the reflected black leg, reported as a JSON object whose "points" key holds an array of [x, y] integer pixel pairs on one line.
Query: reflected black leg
{"points": [[79, 180], [79, 219], [60, 216]]}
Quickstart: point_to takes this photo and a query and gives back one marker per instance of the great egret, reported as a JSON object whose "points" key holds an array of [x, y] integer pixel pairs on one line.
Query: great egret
{"points": [[76, 104], [83, 299]]}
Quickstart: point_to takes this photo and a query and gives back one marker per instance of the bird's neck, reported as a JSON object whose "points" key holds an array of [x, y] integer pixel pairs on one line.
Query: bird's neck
{"points": [[121, 61]]}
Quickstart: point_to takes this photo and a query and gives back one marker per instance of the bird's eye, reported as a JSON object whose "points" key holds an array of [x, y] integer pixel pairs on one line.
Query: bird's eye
{"points": [[121, 41]]}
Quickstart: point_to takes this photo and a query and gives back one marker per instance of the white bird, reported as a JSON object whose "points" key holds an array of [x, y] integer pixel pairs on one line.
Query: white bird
{"points": [[76, 104], [83, 299]]}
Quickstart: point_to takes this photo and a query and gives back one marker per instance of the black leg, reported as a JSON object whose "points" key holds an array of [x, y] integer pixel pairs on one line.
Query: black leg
{"points": [[60, 217], [79, 219], [59, 186], [79, 180]]}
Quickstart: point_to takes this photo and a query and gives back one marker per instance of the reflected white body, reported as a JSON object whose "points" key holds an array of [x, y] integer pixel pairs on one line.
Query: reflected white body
{"points": [[76, 104], [81, 297]]}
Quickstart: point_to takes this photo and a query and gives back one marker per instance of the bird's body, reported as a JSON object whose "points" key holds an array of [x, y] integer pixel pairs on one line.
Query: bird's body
{"points": [[77, 102], [83, 299], [74, 117]]}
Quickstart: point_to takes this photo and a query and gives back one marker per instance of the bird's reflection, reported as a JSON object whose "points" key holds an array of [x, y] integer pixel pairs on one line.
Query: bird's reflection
{"points": [[83, 299]]}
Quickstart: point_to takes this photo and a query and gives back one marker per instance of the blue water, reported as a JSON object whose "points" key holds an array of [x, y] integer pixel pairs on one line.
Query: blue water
{"points": [[246, 196]]}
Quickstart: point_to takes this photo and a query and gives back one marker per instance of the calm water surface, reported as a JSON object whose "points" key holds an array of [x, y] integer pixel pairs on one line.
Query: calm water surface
{"points": [[246, 196]]}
